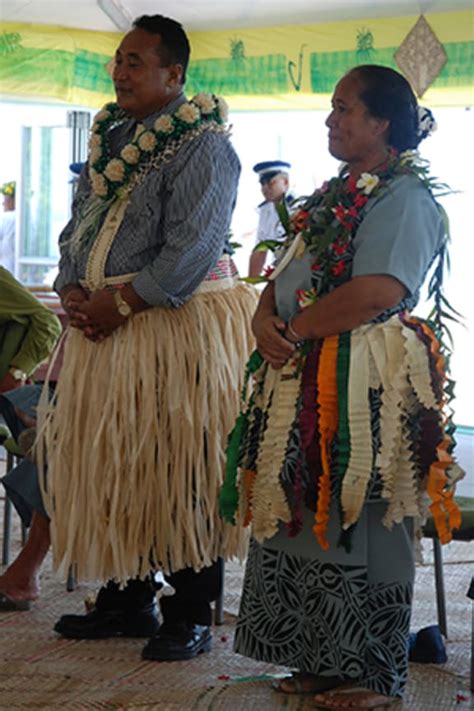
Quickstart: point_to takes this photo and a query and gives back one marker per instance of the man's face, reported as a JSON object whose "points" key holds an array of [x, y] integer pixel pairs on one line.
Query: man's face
{"points": [[276, 188], [142, 85], [353, 132]]}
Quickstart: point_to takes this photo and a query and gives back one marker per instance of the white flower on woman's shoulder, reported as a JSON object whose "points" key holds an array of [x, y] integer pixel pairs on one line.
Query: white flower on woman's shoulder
{"points": [[188, 113], [368, 182], [115, 170], [411, 157], [130, 154], [164, 124], [147, 141], [205, 102], [223, 108], [99, 183]]}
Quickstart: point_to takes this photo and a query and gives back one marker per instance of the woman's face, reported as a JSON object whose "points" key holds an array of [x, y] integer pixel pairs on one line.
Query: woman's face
{"points": [[354, 135]]}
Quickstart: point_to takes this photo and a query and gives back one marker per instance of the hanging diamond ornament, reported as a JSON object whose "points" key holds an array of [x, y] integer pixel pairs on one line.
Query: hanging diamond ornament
{"points": [[421, 56]]}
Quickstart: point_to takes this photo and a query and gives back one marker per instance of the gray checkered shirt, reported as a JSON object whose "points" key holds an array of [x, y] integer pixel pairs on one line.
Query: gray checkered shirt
{"points": [[176, 223]]}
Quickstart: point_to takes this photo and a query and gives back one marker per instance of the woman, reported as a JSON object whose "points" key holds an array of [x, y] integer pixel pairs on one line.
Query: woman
{"points": [[343, 434]]}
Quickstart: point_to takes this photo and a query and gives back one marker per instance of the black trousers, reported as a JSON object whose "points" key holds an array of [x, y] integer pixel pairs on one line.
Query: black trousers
{"points": [[191, 602]]}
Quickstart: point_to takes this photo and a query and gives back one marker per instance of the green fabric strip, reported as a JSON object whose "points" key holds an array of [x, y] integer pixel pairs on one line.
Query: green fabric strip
{"points": [[229, 494]]}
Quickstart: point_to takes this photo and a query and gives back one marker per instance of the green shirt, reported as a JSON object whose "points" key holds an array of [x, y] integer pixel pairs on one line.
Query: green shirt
{"points": [[28, 330]]}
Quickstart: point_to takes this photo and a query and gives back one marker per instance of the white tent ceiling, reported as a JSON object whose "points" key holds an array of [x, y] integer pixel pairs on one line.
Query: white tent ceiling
{"points": [[214, 14]]}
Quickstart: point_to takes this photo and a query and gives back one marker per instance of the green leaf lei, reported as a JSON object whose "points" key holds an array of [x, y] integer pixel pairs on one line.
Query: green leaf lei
{"points": [[327, 219]]}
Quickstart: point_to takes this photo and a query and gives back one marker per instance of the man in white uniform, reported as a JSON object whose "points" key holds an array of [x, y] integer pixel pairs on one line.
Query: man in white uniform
{"points": [[274, 181]]}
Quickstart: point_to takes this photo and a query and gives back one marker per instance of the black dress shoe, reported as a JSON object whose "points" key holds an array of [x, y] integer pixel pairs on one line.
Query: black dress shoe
{"points": [[101, 624], [178, 641]]}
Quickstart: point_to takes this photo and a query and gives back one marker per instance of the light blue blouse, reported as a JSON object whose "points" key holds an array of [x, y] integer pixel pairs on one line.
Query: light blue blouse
{"points": [[400, 234]]}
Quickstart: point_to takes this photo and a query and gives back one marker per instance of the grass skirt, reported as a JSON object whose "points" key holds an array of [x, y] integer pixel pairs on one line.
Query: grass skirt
{"points": [[135, 439]]}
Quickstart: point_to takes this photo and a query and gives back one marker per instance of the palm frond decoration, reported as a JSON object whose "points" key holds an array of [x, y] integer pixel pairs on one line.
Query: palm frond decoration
{"points": [[365, 43], [237, 50], [9, 43]]}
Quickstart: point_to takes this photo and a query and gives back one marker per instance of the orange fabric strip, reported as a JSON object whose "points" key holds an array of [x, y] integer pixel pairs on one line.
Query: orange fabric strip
{"points": [[445, 512], [328, 423], [248, 478]]}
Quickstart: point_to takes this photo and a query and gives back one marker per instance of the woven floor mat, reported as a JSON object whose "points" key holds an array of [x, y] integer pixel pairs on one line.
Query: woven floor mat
{"points": [[39, 670]]}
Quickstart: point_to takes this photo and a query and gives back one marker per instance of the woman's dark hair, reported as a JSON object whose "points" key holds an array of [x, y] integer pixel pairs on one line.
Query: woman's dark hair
{"points": [[388, 95], [174, 47]]}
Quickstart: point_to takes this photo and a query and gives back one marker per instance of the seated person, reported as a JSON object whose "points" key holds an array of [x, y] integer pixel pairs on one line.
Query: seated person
{"points": [[28, 332], [8, 226], [19, 584]]}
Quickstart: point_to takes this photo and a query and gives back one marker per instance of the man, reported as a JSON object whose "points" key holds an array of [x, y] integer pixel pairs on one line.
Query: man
{"points": [[274, 181], [7, 226], [150, 381]]}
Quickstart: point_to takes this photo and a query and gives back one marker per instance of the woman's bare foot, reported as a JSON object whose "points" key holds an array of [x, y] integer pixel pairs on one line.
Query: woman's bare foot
{"points": [[305, 683], [20, 581], [16, 590], [354, 698]]}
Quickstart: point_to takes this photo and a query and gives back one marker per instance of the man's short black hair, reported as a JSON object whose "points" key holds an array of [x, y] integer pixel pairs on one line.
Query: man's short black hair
{"points": [[174, 47]]}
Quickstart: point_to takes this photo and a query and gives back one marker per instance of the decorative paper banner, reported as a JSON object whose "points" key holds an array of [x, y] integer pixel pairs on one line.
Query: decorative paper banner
{"points": [[288, 67]]}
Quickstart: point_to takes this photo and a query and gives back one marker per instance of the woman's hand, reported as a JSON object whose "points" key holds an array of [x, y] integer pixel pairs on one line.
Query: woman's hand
{"points": [[274, 348]]}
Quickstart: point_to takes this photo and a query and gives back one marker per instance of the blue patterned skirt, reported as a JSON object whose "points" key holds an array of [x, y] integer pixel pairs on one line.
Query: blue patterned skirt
{"points": [[332, 613]]}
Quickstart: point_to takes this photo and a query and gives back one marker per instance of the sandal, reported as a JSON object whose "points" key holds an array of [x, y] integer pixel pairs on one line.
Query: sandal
{"points": [[299, 683], [378, 703]]}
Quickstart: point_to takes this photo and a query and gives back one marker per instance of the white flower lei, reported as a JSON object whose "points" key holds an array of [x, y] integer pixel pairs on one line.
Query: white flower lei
{"points": [[110, 177]]}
